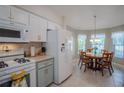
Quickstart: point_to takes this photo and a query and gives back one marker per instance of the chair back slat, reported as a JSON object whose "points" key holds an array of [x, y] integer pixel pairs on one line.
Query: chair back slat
{"points": [[108, 56], [82, 54]]}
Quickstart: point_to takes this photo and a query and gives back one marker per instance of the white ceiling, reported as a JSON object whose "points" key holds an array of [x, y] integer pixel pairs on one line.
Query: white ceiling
{"points": [[81, 16]]}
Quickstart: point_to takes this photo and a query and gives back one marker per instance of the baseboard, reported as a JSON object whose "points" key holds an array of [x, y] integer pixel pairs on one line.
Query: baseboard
{"points": [[120, 66], [63, 81]]}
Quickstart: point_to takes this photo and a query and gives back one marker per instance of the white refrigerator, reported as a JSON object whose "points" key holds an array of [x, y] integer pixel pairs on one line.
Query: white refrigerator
{"points": [[60, 46]]}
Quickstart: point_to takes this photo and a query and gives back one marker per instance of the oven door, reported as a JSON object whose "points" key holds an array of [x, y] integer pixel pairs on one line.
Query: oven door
{"points": [[9, 83]]}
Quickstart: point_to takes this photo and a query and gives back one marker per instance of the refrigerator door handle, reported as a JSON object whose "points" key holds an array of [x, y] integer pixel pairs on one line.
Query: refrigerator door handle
{"points": [[62, 49]]}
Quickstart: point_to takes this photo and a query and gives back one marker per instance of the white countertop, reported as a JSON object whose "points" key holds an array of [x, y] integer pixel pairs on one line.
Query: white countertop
{"points": [[40, 58]]}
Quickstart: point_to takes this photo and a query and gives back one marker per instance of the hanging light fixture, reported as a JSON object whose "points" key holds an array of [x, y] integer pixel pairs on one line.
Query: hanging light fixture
{"points": [[94, 39]]}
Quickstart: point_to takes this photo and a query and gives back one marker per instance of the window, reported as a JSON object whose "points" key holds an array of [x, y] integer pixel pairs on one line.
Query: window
{"points": [[118, 43], [70, 43], [98, 43], [81, 42]]}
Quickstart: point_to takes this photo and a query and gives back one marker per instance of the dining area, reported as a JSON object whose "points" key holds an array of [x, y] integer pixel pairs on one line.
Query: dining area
{"points": [[102, 61]]}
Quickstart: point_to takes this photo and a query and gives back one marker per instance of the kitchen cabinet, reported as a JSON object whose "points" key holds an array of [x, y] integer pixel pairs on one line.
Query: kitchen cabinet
{"points": [[44, 72], [44, 30], [12, 15], [5, 12], [19, 16], [38, 29]]}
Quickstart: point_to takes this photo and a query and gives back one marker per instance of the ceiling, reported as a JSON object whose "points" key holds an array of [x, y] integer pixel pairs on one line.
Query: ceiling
{"points": [[81, 16]]}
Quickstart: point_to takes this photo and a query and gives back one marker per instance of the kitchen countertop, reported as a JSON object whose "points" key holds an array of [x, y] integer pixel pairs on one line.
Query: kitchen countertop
{"points": [[40, 58]]}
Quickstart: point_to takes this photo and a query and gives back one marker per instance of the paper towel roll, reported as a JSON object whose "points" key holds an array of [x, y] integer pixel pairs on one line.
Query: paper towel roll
{"points": [[32, 51]]}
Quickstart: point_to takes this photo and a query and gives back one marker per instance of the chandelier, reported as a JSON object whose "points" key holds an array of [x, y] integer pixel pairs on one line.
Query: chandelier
{"points": [[94, 39]]}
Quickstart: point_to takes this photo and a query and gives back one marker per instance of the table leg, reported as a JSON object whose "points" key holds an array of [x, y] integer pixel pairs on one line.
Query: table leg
{"points": [[96, 65]]}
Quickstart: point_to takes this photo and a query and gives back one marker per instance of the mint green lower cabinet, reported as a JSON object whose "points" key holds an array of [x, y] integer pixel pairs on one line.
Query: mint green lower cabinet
{"points": [[44, 74]]}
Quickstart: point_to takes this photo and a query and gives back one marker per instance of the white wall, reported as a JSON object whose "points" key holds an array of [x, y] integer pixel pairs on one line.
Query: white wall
{"points": [[43, 11], [108, 40]]}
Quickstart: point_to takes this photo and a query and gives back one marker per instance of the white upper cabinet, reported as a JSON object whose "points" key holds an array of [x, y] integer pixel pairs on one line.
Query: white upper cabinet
{"points": [[19, 16], [13, 15], [4, 12], [38, 28], [34, 28], [43, 24]]}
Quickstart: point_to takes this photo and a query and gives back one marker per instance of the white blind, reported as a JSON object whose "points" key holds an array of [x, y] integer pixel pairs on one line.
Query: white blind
{"points": [[118, 38], [118, 43], [81, 41]]}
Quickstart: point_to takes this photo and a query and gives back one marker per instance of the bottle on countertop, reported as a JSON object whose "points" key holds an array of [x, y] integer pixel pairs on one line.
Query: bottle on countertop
{"points": [[32, 51], [43, 51], [25, 55]]}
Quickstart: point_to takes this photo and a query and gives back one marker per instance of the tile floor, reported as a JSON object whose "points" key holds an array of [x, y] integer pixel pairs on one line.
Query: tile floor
{"points": [[90, 78]]}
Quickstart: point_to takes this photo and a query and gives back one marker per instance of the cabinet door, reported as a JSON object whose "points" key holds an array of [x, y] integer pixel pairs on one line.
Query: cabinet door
{"points": [[45, 76], [49, 75], [19, 16], [38, 28], [34, 28], [43, 29], [4, 12]]}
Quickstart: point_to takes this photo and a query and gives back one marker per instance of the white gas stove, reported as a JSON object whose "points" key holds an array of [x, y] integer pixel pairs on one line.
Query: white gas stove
{"points": [[16, 63]]}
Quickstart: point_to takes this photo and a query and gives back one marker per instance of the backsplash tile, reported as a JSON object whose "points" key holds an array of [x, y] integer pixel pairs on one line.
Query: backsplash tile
{"points": [[20, 46]]}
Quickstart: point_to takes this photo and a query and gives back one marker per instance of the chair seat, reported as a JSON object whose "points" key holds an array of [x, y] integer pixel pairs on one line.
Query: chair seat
{"points": [[86, 60], [104, 63]]}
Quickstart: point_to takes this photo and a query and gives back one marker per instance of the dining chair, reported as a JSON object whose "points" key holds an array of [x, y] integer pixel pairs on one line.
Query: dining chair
{"points": [[84, 60], [111, 59], [106, 62], [80, 52], [104, 51], [110, 54]]}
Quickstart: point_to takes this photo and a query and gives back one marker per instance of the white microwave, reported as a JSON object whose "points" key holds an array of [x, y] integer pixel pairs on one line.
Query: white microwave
{"points": [[13, 34]]}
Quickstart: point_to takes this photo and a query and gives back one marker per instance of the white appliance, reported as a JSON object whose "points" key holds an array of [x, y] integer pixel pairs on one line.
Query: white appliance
{"points": [[59, 45], [13, 33], [17, 66]]}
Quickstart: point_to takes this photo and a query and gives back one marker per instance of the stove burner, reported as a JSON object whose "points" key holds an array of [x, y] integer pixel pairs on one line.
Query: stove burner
{"points": [[21, 60], [3, 64]]}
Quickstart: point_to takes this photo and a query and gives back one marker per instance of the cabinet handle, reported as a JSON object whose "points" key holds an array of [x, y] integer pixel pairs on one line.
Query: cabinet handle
{"points": [[26, 30]]}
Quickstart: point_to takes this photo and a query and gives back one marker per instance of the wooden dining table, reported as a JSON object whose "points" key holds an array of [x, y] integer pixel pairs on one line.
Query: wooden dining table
{"points": [[94, 58]]}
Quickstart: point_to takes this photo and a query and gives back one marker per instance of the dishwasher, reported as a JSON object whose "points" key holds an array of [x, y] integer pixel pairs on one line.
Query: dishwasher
{"points": [[44, 73]]}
